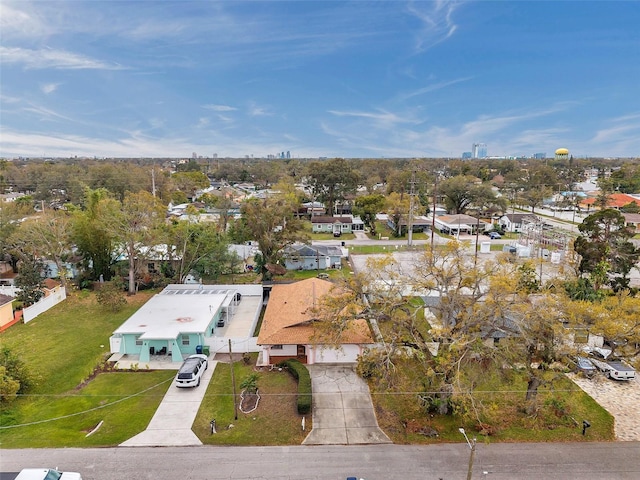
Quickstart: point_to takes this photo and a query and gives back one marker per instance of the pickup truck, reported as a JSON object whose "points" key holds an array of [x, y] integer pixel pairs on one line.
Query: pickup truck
{"points": [[615, 369]]}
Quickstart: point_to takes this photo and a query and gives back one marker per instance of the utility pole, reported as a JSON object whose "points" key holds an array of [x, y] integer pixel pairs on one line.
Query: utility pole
{"points": [[411, 205], [472, 446], [433, 211]]}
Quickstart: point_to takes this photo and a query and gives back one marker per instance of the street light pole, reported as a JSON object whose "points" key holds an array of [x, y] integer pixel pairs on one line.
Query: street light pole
{"points": [[472, 446]]}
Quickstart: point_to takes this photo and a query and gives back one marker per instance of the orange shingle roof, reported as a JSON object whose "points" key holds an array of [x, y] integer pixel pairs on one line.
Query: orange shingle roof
{"points": [[615, 200], [288, 319]]}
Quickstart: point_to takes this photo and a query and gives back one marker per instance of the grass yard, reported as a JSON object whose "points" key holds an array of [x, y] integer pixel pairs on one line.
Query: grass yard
{"points": [[558, 417], [63, 347], [274, 422], [123, 401]]}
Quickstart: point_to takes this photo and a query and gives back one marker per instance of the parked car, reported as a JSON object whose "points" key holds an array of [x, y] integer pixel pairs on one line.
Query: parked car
{"points": [[616, 370], [46, 474], [585, 366], [597, 352], [495, 236], [191, 371]]}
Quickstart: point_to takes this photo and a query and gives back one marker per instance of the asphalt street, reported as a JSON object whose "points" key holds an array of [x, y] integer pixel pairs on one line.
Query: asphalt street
{"points": [[550, 461]]}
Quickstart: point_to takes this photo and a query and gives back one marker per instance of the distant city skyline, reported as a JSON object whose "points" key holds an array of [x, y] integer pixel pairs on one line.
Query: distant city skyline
{"points": [[318, 78]]}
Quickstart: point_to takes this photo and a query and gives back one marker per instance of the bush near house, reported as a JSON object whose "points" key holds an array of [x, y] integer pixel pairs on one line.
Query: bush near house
{"points": [[301, 374]]}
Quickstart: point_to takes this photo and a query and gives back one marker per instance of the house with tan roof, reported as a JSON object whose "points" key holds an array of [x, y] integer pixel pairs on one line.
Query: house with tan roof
{"points": [[614, 200], [290, 326]]}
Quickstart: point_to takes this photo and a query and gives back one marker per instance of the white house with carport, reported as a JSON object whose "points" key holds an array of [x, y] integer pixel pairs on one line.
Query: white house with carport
{"points": [[181, 318], [460, 224], [517, 222]]}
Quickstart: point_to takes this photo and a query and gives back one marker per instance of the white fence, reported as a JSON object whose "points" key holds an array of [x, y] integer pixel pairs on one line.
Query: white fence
{"points": [[9, 290], [58, 295], [238, 345]]}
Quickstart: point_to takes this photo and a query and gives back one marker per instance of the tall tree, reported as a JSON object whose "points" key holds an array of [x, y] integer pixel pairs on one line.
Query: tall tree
{"points": [[605, 240], [457, 193], [196, 246], [137, 227], [332, 180], [367, 207], [46, 236], [29, 281], [271, 222], [93, 234]]}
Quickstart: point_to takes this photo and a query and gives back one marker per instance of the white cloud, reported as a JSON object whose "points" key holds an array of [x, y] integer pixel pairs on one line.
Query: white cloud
{"points": [[219, 108], [259, 111], [49, 87], [437, 22], [16, 23], [432, 88], [50, 58], [382, 116]]}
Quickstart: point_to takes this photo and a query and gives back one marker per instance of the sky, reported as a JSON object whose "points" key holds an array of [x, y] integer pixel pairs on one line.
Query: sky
{"points": [[330, 79]]}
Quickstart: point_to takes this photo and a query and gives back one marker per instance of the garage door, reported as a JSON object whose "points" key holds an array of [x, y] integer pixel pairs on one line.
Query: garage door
{"points": [[348, 354]]}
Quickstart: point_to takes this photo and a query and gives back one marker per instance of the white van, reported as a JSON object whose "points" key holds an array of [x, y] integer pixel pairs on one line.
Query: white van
{"points": [[191, 371], [46, 474]]}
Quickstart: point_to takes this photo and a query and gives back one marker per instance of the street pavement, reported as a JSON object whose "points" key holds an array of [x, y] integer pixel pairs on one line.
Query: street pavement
{"points": [[442, 461]]}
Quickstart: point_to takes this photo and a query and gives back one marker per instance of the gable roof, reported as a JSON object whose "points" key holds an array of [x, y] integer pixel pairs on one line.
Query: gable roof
{"points": [[50, 283], [303, 250], [519, 217], [614, 200], [288, 318], [4, 299], [325, 219]]}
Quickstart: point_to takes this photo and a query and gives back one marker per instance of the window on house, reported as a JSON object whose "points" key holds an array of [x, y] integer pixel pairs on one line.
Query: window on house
{"points": [[276, 347], [185, 339], [151, 267], [138, 341]]}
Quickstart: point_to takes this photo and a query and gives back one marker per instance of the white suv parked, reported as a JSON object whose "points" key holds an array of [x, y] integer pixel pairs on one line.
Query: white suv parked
{"points": [[191, 371]]}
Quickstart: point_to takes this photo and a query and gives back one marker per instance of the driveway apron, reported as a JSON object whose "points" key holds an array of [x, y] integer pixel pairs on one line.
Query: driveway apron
{"points": [[343, 412], [171, 424]]}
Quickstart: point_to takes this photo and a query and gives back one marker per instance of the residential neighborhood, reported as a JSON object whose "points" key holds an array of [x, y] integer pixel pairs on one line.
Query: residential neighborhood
{"points": [[369, 284]]}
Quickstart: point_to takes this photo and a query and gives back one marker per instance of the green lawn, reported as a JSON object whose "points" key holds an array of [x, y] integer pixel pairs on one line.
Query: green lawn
{"points": [[63, 347], [274, 422]]}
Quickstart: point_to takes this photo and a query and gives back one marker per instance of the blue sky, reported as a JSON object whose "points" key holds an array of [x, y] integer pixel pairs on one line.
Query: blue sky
{"points": [[331, 78]]}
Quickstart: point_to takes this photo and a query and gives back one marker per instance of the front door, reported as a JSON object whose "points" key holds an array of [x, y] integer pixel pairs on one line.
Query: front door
{"points": [[302, 354]]}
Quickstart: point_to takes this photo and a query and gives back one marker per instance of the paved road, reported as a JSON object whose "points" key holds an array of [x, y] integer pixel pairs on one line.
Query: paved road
{"points": [[550, 461]]}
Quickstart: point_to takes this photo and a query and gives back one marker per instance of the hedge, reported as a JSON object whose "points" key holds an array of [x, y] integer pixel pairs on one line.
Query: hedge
{"points": [[301, 374]]}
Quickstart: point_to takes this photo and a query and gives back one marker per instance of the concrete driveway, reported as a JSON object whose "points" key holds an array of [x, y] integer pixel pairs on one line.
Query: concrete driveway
{"points": [[171, 424], [620, 399], [343, 412]]}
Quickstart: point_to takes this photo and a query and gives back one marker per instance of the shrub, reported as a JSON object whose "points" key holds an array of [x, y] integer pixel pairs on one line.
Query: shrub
{"points": [[301, 374], [15, 377], [110, 296]]}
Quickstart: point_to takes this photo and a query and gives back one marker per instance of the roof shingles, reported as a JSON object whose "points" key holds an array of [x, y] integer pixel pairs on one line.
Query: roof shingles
{"points": [[288, 319]]}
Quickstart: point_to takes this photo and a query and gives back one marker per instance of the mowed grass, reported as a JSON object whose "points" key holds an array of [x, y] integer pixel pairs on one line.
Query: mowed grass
{"points": [[62, 347], [123, 401], [274, 422]]}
